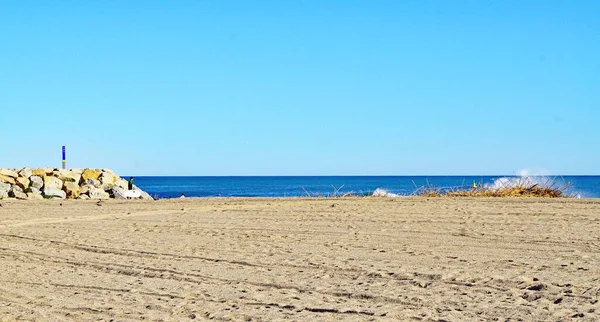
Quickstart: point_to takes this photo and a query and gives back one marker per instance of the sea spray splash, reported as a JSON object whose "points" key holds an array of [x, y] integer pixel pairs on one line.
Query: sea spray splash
{"points": [[379, 192], [529, 178]]}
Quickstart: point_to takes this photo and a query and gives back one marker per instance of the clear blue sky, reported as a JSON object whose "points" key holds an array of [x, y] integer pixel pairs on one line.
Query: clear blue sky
{"points": [[302, 87]]}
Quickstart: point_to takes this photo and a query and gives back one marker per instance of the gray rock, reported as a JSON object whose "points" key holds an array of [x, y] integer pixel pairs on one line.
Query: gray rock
{"points": [[92, 182], [53, 192], [18, 193], [36, 182], [5, 188], [118, 192], [85, 189]]}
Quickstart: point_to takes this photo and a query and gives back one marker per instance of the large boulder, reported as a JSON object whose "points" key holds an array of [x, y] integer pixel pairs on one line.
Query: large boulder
{"points": [[53, 182], [5, 188], [90, 174], [25, 172], [9, 173], [92, 182], [68, 175], [53, 192], [18, 193], [34, 196], [72, 189], [22, 182], [118, 193], [77, 170], [83, 197], [36, 182], [108, 179], [7, 179], [38, 173], [85, 189], [97, 193]]}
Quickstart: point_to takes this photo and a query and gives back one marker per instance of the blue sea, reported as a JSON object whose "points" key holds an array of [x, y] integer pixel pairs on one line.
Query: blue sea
{"points": [[289, 186]]}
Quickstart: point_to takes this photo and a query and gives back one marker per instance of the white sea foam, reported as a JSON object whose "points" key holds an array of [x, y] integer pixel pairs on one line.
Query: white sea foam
{"points": [[379, 192], [529, 178]]}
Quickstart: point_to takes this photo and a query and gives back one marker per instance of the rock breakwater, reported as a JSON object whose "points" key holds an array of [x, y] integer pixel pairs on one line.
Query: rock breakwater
{"points": [[49, 183]]}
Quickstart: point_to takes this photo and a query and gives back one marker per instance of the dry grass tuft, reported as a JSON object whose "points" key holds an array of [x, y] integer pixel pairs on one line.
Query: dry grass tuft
{"points": [[515, 188]]}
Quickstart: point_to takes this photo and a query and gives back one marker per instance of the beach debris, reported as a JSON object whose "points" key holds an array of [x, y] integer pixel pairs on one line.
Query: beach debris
{"points": [[53, 183]]}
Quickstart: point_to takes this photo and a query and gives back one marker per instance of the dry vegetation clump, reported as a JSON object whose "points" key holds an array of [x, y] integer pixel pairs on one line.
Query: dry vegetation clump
{"points": [[514, 188]]}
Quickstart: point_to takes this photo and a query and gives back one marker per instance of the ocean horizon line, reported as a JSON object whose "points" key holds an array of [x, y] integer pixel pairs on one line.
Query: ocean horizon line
{"points": [[366, 176]]}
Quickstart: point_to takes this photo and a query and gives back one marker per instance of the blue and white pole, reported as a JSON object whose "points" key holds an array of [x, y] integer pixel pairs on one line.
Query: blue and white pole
{"points": [[64, 160]]}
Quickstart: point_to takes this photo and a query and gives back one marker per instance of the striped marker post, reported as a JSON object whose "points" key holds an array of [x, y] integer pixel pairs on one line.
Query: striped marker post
{"points": [[64, 160]]}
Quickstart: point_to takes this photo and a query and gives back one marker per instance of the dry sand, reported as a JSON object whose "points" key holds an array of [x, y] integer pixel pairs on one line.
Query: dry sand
{"points": [[299, 259]]}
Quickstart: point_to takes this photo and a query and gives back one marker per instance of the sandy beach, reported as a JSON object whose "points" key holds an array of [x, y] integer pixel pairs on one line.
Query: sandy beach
{"points": [[300, 260]]}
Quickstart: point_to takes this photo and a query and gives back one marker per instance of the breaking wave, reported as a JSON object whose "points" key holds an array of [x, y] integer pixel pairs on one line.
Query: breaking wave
{"points": [[379, 192], [528, 178]]}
